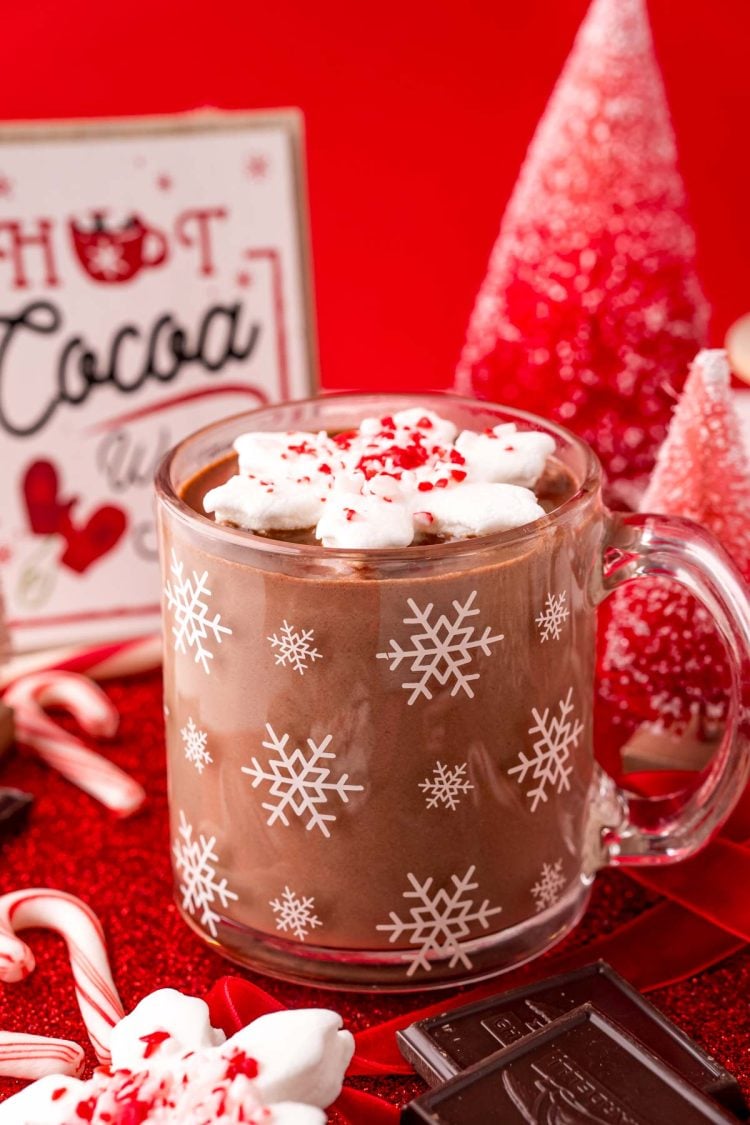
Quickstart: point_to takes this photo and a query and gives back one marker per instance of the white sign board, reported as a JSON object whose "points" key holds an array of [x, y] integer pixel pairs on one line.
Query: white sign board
{"points": [[154, 276]]}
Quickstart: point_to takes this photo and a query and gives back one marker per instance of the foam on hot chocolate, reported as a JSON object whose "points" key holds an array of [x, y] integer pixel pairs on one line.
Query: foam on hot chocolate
{"points": [[393, 481]]}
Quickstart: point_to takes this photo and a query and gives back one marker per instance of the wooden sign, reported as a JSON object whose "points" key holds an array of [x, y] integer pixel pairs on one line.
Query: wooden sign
{"points": [[154, 276]]}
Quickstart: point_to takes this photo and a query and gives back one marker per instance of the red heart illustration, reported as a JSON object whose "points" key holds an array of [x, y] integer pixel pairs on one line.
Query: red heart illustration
{"points": [[47, 513], [50, 515], [88, 543]]}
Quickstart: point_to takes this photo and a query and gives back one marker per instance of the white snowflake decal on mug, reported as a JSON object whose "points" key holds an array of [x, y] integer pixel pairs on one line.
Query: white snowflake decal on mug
{"points": [[441, 649]]}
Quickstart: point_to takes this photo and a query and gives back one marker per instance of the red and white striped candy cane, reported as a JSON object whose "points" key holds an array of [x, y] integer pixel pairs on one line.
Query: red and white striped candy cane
{"points": [[35, 1056], [96, 993], [100, 662], [63, 751]]}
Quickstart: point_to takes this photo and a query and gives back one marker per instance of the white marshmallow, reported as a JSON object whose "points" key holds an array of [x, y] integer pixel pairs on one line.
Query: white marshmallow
{"points": [[440, 430], [302, 1055], [479, 509], [185, 1018], [269, 452], [292, 1113], [267, 505], [41, 1103], [509, 457], [364, 522]]}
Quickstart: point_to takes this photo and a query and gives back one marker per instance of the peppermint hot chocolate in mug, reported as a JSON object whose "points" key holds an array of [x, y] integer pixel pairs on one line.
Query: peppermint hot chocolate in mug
{"points": [[379, 621]]}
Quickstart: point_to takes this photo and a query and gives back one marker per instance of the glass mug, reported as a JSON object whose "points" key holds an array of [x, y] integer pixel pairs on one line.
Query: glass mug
{"points": [[380, 762]]}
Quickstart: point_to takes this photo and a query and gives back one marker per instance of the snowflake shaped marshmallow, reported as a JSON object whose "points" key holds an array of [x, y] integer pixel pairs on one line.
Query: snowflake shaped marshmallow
{"points": [[187, 598], [299, 782], [441, 649], [546, 891], [439, 921], [295, 647], [446, 786], [295, 913], [195, 745], [553, 617], [200, 889], [551, 751]]}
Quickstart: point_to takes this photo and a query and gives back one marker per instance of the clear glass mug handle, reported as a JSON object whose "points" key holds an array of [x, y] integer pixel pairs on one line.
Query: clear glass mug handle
{"points": [[650, 545]]}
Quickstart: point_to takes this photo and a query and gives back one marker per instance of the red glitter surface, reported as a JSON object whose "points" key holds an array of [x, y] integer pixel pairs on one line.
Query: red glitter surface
{"points": [[121, 868]]}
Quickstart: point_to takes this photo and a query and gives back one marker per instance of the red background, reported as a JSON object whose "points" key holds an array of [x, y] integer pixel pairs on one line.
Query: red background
{"points": [[418, 116]]}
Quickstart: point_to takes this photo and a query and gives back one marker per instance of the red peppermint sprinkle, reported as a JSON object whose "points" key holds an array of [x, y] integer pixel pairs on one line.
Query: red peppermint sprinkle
{"points": [[153, 1042], [425, 486], [425, 423], [303, 447], [240, 1063], [442, 483], [458, 474], [456, 457], [509, 449], [134, 1113], [325, 468], [350, 513], [388, 422], [85, 1110], [59, 1093]]}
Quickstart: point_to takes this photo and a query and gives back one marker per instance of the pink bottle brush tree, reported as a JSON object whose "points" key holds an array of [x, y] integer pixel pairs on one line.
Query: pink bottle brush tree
{"points": [[661, 660], [591, 308]]}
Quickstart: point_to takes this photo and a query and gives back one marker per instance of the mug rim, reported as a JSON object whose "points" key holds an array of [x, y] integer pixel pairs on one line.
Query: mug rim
{"points": [[590, 484]]}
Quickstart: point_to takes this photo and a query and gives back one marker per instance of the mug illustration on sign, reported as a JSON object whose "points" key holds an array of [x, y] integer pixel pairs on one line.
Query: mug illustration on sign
{"points": [[115, 254]]}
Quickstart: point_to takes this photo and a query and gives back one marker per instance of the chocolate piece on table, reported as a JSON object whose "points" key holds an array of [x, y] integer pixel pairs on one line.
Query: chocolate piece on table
{"points": [[583, 1068], [444, 1045], [14, 810], [7, 729]]}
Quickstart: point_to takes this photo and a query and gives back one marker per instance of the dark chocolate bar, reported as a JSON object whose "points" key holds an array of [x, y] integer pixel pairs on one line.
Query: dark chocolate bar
{"points": [[583, 1069], [14, 810], [444, 1045]]}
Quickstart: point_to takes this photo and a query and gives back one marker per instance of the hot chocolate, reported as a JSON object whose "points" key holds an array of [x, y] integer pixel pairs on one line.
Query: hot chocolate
{"points": [[390, 758]]}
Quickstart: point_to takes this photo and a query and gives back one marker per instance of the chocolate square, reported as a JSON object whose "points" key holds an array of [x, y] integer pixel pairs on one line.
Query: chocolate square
{"points": [[583, 1068], [14, 811], [7, 728], [441, 1047]]}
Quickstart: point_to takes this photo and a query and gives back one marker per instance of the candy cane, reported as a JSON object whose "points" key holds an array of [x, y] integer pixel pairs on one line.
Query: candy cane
{"points": [[96, 993], [35, 1056], [62, 750], [99, 662]]}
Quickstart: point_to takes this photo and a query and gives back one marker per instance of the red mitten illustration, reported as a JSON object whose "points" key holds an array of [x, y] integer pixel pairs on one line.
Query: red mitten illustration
{"points": [[50, 515], [88, 543], [47, 513]]}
